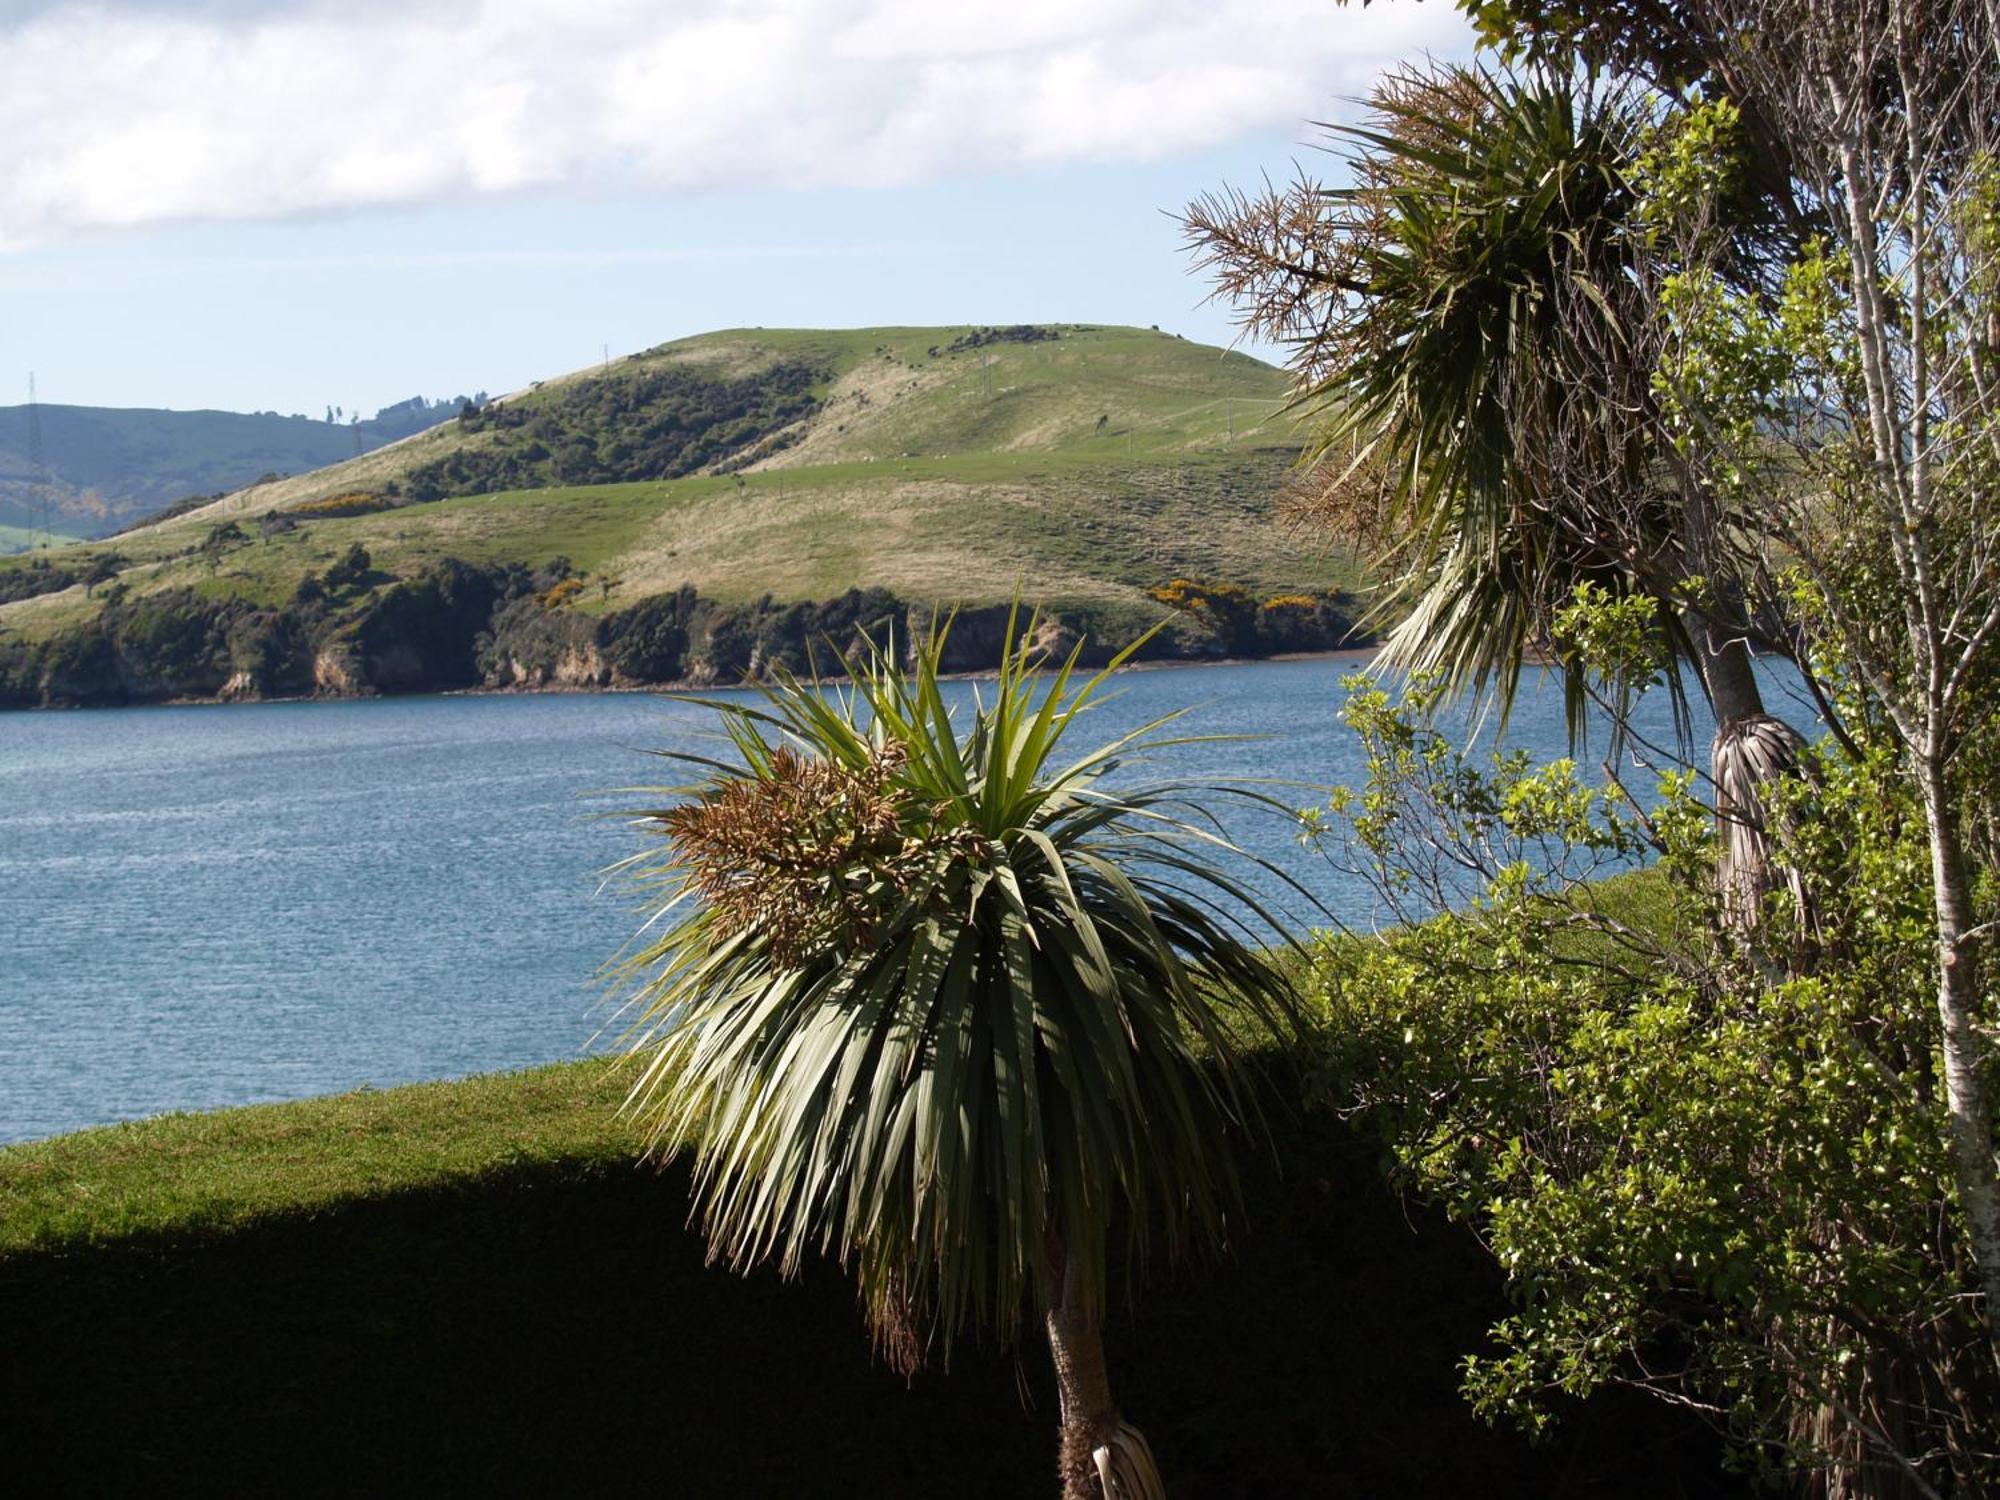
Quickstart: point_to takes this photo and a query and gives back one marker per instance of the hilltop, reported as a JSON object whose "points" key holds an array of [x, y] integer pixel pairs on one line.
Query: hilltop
{"points": [[706, 508]]}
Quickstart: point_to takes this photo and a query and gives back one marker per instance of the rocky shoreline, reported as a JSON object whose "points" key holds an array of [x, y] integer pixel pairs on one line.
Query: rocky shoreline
{"points": [[457, 628]]}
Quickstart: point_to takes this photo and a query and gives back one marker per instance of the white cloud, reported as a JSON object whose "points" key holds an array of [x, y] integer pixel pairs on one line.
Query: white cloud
{"points": [[128, 112]]}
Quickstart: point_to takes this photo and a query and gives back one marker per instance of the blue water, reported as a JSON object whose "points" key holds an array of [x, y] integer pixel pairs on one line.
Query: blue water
{"points": [[215, 906]]}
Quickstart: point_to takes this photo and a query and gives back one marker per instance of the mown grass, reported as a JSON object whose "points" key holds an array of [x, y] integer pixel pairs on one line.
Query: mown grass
{"points": [[476, 1287], [226, 1170]]}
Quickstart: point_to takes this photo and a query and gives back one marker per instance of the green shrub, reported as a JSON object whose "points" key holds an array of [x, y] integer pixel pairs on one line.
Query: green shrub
{"points": [[1709, 1169]]}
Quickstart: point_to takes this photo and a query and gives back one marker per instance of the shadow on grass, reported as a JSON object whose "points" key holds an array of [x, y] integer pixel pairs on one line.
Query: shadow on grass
{"points": [[555, 1331]]}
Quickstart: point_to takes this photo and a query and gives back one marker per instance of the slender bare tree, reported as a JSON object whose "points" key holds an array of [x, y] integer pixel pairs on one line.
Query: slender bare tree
{"points": [[1888, 112]]}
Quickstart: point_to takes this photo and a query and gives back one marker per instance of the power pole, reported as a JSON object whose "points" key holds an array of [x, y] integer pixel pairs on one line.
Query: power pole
{"points": [[38, 469]]}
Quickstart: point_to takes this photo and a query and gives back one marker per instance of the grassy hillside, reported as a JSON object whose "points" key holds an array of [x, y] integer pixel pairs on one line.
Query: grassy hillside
{"points": [[957, 475], [21, 538], [109, 466], [472, 1288], [1083, 467]]}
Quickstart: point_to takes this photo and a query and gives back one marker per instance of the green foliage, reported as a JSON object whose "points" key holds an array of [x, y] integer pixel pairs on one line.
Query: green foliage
{"points": [[347, 503], [649, 641], [350, 570], [167, 645], [423, 633], [1716, 381], [38, 576], [1813, 309], [1711, 1171], [1241, 626], [455, 624], [980, 338], [1661, 43], [931, 997], [211, 1295], [660, 422], [1685, 166], [1473, 363], [103, 568], [1612, 638]]}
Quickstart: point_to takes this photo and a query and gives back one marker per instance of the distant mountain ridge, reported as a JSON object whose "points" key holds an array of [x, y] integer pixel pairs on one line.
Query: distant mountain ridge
{"points": [[109, 466]]}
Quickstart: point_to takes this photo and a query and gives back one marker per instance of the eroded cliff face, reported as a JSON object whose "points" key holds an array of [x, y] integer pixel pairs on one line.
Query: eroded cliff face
{"points": [[579, 667], [582, 668], [457, 625], [242, 687], [337, 672]]}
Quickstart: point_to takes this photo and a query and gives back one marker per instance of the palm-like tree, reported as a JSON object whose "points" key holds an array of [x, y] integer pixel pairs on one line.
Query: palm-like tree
{"points": [[1474, 328], [952, 1012]]}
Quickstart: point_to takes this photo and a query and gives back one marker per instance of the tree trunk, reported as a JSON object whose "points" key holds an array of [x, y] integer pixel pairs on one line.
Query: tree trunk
{"points": [[1971, 1131], [1076, 1343], [1861, 1439], [1750, 748], [1726, 672]]}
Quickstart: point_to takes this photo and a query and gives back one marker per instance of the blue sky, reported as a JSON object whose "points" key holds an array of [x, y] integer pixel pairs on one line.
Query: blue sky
{"points": [[279, 204]]}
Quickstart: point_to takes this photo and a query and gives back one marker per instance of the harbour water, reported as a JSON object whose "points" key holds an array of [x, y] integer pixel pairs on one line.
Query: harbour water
{"points": [[211, 906]]}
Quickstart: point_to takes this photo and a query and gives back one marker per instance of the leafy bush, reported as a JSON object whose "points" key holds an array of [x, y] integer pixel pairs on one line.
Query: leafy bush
{"points": [[1711, 1170], [423, 634], [649, 641], [659, 422], [1239, 625], [980, 338], [350, 569], [561, 593], [36, 578], [332, 507]]}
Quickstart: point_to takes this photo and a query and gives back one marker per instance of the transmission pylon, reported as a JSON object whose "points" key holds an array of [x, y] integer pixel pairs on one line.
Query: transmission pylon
{"points": [[38, 472]]}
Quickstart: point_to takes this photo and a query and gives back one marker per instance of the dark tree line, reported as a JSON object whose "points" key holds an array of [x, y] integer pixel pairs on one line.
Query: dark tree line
{"points": [[660, 423]]}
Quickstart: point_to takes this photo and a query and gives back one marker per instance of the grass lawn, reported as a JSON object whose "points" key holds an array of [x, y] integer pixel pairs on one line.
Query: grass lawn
{"points": [[474, 1287]]}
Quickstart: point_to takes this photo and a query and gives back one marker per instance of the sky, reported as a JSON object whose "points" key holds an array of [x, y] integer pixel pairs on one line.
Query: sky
{"points": [[295, 204]]}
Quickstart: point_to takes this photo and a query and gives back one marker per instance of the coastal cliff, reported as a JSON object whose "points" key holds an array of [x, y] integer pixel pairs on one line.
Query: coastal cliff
{"points": [[458, 626]]}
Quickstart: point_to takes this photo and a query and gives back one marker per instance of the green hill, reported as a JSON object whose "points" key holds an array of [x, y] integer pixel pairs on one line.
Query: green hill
{"points": [[107, 467], [670, 516], [24, 538]]}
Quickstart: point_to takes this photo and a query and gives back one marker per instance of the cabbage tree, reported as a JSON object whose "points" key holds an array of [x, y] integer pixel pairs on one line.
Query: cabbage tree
{"points": [[1475, 325], [954, 1006]]}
